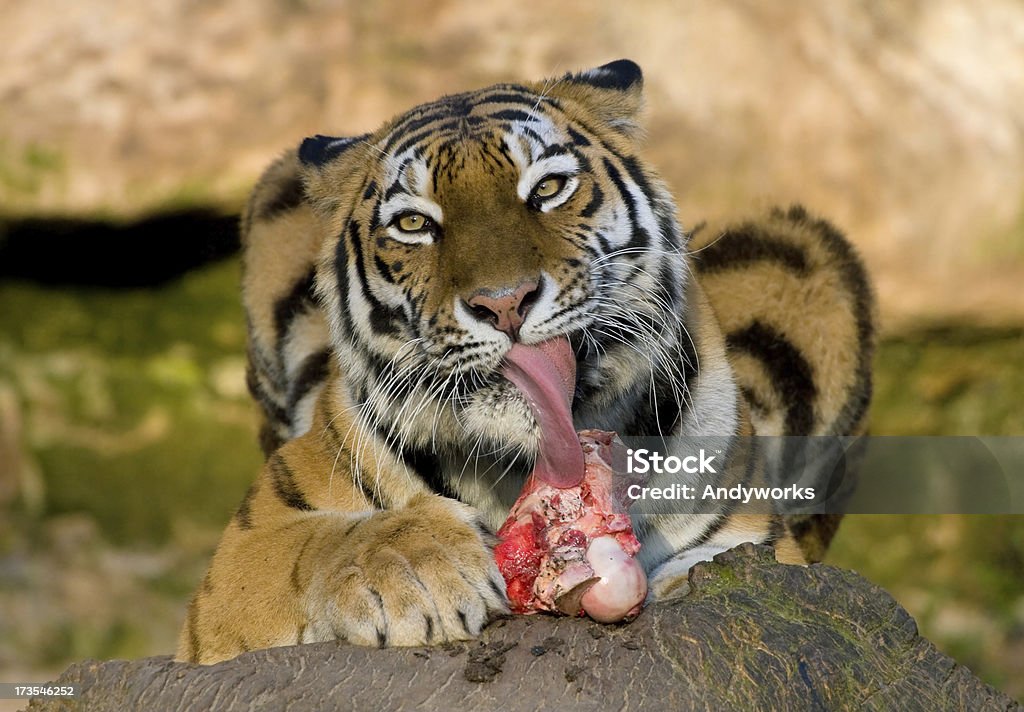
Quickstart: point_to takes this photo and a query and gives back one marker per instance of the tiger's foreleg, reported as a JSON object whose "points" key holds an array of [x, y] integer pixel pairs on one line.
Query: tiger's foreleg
{"points": [[418, 574]]}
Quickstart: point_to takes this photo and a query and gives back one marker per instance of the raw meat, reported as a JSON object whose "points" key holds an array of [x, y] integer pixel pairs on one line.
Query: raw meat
{"points": [[571, 549]]}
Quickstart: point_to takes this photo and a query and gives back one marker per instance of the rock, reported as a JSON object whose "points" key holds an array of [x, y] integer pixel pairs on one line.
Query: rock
{"points": [[751, 634]]}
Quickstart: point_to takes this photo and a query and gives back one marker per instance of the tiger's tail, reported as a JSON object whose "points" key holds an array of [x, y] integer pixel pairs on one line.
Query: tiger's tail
{"points": [[798, 314]]}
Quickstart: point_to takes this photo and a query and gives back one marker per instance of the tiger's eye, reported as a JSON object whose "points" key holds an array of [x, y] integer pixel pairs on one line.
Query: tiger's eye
{"points": [[412, 222], [549, 187]]}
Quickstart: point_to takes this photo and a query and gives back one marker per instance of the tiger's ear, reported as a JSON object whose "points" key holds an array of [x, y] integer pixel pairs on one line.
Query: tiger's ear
{"points": [[325, 167], [613, 91], [319, 150]]}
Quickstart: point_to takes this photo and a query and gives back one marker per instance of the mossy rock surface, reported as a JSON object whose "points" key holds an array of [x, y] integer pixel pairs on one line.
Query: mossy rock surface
{"points": [[750, 634]]}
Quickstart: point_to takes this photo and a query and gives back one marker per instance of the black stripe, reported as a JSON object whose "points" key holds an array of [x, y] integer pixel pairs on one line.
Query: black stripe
{"points": [[370, 494], [338, 447], [298, 299], [498, 157], [411, 126], [689, 361], [244, 514], [384, 269], [855, 279], [596, 201], [635, 172], [285, 486], [556, 149], [513, 115], [527, 131], [800, 526], [666, 219], [527, 98], [709, 532], [753, 400], [290, 194], [439, 162], [660, 417], [374, 361], [274, 412], [498, 593], [411, 136], [670, 231], [775, 530], [311, 374], [506, 152], [578, 138], [375, 221], [583, 160], [341, 270], [382, 317], [639, 238], [745, 245], [294, 577], [790, 372], [270, 438], [395, 188], [371, 190], [382, 636], [260, 360], [427, 465], [669, 288]]}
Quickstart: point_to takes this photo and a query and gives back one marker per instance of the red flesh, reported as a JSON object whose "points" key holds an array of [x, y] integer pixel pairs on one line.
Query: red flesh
{"points": [[544, 541]]}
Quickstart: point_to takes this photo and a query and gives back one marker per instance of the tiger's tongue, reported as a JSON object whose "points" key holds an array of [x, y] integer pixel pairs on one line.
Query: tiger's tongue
{"points": [[546, 375]]}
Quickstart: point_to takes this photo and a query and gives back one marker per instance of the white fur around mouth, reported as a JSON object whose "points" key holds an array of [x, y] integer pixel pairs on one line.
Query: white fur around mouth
{"points": [[498, 413]]}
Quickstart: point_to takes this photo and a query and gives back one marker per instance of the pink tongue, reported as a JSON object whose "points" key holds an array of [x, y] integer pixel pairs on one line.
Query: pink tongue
{"points": [[546, 374]]}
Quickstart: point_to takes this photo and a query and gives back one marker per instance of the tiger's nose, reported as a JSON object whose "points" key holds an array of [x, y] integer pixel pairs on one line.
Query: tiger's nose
{"points": [[506, 308]]}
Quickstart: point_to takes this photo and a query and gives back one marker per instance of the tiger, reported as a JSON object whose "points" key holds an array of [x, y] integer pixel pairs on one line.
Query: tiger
{"points": [[385, 278]]}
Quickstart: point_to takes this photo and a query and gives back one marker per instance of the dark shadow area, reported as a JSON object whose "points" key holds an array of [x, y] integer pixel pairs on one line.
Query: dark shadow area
{"points": [[147, 252]]}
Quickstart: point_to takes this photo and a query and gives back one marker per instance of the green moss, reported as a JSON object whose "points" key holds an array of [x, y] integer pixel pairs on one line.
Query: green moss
{"points": [[202, 311], [196, 472], [950, 380], [130, 423]]}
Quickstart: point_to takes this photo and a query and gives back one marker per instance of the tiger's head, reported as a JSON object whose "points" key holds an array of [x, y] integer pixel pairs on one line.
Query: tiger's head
{"points": [[519, 212]]}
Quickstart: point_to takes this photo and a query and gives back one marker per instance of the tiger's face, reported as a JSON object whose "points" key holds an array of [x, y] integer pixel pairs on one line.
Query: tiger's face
{"points": [[513, 213]]}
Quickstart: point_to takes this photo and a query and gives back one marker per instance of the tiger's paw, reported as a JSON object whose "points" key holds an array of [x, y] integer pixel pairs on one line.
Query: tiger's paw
{"points": [[420, 575]]}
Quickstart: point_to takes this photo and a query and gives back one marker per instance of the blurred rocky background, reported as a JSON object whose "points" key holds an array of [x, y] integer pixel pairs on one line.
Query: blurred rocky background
{"points": [[126, 435]]}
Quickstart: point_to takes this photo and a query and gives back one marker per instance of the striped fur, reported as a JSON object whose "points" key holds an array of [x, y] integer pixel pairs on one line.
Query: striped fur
{"points": [[394, 446]]}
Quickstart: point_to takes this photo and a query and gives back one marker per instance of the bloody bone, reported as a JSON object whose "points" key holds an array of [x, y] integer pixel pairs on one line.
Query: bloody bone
{"points": [[567, 544], [571, 549]]}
